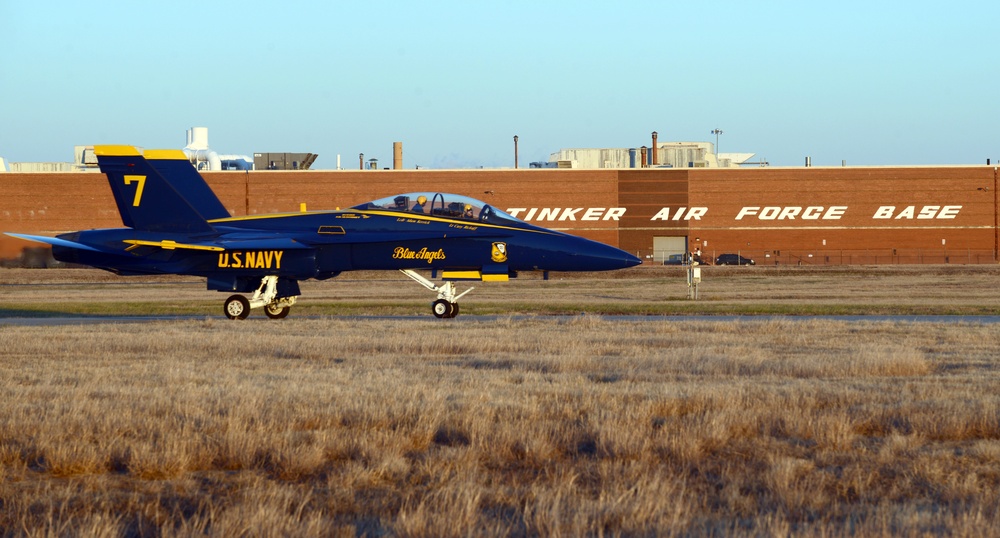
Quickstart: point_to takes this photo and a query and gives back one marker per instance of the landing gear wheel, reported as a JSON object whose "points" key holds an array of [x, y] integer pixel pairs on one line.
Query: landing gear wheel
{"points": [[237, 307], [446, 305], [276, 312], [442, 308]]}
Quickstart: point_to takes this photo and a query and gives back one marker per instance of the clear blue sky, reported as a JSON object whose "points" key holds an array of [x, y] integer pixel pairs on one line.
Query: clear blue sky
{"points": [[869, 82]]}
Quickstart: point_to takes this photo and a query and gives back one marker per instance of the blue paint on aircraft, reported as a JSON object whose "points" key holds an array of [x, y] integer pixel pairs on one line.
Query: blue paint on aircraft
{"points": [[176, 225]]}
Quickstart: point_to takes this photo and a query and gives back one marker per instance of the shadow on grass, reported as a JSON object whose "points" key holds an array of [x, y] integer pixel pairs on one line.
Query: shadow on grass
{"points": [[26, 313]]}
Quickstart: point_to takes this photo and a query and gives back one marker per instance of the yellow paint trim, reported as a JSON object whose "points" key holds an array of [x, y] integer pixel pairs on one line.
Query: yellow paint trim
{"points": [[165, 154], [170, 245], [464, 275], [116, 151], [266, 216], [417, 216], [381, 213], [473, 275]]}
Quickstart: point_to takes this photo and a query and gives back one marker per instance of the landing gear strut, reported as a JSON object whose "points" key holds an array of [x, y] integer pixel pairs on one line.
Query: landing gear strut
{"points": [[238, 306], [446, 305]]}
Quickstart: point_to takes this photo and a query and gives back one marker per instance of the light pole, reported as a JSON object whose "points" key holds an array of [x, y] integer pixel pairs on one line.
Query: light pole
{"points": [[716, 132]]}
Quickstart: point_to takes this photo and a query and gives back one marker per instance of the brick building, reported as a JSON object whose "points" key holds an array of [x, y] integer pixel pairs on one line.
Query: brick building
{"points": [[843, 215]]}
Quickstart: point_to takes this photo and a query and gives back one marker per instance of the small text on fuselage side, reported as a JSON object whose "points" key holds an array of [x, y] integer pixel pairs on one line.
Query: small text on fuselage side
{"points": [[264, 259], [404, 253]]}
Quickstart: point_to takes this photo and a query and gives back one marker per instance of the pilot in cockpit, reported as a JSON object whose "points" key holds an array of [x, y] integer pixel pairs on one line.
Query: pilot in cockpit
{"points": [[419, 206], [468, 211]]}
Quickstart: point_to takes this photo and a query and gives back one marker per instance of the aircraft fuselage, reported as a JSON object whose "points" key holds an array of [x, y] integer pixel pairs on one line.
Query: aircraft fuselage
{"points": [[319, 244], [174, 224]]}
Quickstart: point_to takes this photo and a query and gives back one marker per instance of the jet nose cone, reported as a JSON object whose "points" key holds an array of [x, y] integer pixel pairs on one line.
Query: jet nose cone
{"points": [[607, 258], [564, 252]]}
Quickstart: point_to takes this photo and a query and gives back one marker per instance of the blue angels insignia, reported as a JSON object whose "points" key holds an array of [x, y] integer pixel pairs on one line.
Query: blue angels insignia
{"points": [[499, 253]]}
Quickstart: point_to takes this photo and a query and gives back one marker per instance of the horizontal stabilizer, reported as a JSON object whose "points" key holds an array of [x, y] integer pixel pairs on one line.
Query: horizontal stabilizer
{"points": [[53, 241]]}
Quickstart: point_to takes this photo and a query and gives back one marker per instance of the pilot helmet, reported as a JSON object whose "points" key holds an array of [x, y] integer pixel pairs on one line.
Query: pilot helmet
{"points": [[468, 207], [421, 200]]}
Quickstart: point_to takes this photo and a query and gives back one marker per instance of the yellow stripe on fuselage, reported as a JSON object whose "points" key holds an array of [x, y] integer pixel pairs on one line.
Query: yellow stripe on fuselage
{"points": [[171, 245], [376, 212], [267, 216]]}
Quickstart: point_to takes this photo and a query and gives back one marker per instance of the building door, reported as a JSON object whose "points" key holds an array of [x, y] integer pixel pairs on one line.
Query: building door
{"points": [[669, 248]]}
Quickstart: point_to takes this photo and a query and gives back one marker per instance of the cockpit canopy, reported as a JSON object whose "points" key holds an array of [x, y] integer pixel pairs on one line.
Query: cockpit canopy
{"points": [[441, 204]]}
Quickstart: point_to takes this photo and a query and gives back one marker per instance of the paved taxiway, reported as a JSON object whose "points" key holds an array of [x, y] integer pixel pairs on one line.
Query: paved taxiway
{"points": [[57, 321]]}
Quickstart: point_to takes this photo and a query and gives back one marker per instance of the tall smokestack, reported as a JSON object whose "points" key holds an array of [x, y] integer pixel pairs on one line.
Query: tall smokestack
{"points": [[361, 161], [642, 152], [397, 155], [652, 158], [515, 152]]}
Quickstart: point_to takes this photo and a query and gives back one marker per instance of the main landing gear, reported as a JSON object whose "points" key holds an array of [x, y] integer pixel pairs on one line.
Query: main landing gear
{"points": [[238, 306], [446, 305], [266, 296]]}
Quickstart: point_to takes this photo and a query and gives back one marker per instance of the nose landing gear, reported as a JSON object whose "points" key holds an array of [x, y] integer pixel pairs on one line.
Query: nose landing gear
{"points": [[444, 309], [446, 305]]}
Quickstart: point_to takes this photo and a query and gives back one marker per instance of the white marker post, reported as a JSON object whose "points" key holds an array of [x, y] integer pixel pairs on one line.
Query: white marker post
{"points": [[694, 278]]}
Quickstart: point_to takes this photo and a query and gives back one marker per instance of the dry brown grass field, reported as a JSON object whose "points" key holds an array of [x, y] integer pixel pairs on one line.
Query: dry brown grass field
{"points": [[955, 289], [515, 425]]}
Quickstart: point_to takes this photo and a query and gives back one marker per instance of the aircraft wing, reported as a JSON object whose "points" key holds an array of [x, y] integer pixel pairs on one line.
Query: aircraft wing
{"points": [[53, 241]]}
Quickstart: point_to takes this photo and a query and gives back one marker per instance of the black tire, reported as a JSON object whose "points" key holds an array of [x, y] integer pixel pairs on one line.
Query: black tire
{"points": [[441, 308], [454, 310], [237, 307], [275, 312]]}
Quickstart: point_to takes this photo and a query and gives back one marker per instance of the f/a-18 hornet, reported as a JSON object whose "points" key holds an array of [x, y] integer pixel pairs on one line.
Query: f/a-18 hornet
{"points": [[176, 225]]}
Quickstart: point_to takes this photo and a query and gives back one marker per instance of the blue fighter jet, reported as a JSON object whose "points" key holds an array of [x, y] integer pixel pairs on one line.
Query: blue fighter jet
{"points": [[176, 225]]}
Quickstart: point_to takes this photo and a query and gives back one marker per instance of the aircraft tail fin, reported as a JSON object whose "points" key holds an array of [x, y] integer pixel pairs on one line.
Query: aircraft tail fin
{"points": [[175, 167], [151, 201]]}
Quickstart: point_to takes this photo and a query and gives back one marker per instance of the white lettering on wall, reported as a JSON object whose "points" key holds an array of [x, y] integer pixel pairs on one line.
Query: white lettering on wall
{"points": [[911, 212], [529, 214]]}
